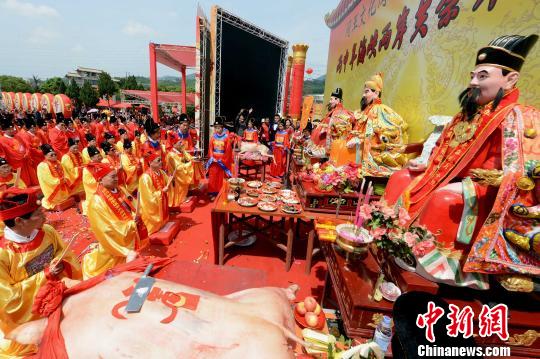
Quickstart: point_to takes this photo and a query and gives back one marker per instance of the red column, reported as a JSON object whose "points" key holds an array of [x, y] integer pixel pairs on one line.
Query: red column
{"points": [[299, 63], [287, 85], [153, 83], [184, 95]]}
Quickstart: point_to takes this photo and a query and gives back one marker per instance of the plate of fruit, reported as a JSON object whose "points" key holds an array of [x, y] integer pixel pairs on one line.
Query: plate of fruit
{"points": [[268, 198], [267, 206], [247, 201], [269, 190], [254, 184], [252, 193], [309, 314]]}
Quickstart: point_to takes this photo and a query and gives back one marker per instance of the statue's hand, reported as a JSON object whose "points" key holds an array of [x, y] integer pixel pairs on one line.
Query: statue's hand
{"points": [[414, 166]]}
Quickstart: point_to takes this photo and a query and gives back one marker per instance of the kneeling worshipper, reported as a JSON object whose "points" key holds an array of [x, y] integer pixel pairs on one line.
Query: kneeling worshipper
{"points": [[8, 178], [89, 182], [31, 252], [131, 165], [153, 187], [72, 163], [91, 141], [115, 223], [52, 181], [180, 166]]}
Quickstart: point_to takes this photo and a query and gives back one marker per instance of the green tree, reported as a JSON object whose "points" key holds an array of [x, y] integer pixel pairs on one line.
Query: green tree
{"points": [[73, 90], [54, 85], [130, 83], [35, 82], [88, 95], [14, 84], [107, 87]]}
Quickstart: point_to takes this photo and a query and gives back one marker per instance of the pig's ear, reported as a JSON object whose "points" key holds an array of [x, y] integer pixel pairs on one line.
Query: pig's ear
{"points": [[29, 333]]}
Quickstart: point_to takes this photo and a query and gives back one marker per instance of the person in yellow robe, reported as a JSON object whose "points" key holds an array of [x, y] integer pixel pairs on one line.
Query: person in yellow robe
{"points": [[153, 187], [31, 253], [8, 179], [91, 140], [132, 166], [89, 182], [179, 163], [380, 134], [52, 181], [120, 144], [119, 231], [72, 163]]}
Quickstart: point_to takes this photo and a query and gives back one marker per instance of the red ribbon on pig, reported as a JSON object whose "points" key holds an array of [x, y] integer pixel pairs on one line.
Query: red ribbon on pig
{"points": [[52, 344]]}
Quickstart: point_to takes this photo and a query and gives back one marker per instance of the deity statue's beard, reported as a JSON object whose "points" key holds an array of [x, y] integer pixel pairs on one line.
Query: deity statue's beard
{"points": [[468, 100], [364, 103], [330, 106]]}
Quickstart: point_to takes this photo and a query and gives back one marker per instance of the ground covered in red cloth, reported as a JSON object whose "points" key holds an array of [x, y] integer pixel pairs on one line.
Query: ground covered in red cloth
{"points": [[194, 244]]}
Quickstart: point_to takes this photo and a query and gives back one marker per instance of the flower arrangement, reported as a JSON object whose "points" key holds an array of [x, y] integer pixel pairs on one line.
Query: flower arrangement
{"points": [[388, 226], [342, 179]]}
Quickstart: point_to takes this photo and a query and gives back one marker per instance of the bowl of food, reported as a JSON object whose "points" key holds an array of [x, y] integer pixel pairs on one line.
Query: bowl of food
{"points": [[353, 239], [235, 181], [253, 193], [291, 208]]}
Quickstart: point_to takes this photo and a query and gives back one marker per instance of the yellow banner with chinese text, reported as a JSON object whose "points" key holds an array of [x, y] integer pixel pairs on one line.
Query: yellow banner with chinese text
{"points": [[426, 50]]}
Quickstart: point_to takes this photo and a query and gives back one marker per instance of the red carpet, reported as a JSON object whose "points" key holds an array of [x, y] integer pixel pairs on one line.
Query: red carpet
{"points": [[194, 244]]}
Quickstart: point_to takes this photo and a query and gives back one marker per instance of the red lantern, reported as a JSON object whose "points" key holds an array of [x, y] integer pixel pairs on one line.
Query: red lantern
{"points": [[309, 71]]}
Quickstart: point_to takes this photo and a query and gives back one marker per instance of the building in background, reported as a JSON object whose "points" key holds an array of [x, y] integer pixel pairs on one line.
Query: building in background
{"points": [[82, 74]]}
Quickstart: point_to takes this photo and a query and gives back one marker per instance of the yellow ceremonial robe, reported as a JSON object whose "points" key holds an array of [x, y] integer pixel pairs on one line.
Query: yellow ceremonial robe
{"points": [[115, 229], [90, 185], [130, 166], [120, 146], [5, 183], [53, 184], [182, 179], [153, 201], [72, 172], [85, 156], [21, 275]]}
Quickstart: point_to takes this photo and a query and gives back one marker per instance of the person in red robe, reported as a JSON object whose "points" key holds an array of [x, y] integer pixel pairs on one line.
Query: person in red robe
{"points": [[131, 126], [28, 136], [58, 136], [113, 127], [153, 144], [185, 137], [42, 131], [280, 148], [220, 158], [15, 152], [264, 132]]}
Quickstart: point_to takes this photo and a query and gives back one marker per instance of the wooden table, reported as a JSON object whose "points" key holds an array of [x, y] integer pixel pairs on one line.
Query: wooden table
{"points": [[225, 214]]}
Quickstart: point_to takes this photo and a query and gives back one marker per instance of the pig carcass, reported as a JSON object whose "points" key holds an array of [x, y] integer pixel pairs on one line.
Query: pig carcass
{"points": [[254, 323]]}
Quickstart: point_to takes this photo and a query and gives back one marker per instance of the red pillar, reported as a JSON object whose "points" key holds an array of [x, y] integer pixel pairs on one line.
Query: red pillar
{"points": [[287, 85], [184, 95], [298, 66], [153, 83]]}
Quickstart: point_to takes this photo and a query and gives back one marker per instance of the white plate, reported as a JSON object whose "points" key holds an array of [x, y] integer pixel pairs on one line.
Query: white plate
{"points": [[270, 207], [254, 184]]}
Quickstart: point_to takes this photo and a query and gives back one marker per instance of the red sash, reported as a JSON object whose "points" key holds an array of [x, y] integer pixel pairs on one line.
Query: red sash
{"points": [[158, 182], [58, 172], [77, 161], [117, 202]]}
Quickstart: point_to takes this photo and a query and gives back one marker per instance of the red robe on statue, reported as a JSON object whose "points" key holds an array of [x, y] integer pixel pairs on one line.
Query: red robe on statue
{"points": [[16, 154], [281, 145], [220, 161], [59, 141]]}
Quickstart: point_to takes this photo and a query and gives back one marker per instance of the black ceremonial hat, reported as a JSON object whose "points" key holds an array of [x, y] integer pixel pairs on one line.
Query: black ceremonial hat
{"points": [[507, 52], [338, 93]]}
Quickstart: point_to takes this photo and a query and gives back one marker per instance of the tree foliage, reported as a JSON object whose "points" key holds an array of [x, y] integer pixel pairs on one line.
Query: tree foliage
{"points": [[106, 86], [14, 84], [54, 85], [73, 90], [88, 95], [130, 83]]}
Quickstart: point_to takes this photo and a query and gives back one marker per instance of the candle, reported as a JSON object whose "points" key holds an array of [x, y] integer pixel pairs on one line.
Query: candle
{"points": [[368, 194]]}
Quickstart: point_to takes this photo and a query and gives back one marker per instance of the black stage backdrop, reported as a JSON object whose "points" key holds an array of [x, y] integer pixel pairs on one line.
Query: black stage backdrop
{"points": [[250, 69]]}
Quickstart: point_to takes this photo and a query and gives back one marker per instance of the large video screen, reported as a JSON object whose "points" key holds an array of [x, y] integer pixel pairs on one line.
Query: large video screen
{"points": [[250, 73]]}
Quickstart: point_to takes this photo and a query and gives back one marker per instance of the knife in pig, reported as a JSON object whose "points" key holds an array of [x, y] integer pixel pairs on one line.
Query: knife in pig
{"points": [[143, 287]]}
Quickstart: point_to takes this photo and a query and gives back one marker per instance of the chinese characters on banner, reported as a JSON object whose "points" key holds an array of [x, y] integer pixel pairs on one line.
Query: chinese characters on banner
{"points": [[491, 321], [367, 47]]}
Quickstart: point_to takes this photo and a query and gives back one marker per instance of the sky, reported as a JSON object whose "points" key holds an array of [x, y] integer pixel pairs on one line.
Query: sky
{"points": [[51, 38]]}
